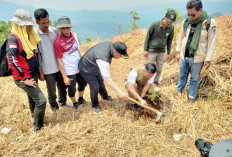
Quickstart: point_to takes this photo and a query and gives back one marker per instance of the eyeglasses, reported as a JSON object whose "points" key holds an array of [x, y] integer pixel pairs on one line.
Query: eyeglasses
{"points": [[193, 15]]}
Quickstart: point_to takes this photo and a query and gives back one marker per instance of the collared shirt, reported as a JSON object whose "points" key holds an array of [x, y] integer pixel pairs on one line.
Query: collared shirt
{"points": [[206, 45], [157, 38], [47, 59]]}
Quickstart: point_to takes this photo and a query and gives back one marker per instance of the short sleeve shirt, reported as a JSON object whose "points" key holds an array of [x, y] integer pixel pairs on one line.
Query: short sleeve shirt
{"points": [[46, 56], [133, 75], [67, 48]]}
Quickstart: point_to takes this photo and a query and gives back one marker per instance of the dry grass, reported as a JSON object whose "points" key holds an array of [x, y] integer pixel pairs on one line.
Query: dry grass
{"points": [[117, 131]]}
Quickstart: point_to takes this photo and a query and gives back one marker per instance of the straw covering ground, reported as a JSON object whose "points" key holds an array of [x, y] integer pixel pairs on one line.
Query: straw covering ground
{"points": [[117, 131]]}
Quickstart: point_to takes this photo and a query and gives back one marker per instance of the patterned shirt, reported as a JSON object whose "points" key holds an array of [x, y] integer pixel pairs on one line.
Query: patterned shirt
{"points": [[67, 48]]}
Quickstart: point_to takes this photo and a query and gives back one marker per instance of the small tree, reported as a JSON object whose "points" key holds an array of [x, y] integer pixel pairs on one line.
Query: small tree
{"points": [[50, 22], [118, 26], [88, 40], [5, 29], [79, 39], [133, 17], [53, 23]]}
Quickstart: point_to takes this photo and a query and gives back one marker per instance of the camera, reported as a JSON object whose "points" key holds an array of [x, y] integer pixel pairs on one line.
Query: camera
{"points": [[203, 147]]}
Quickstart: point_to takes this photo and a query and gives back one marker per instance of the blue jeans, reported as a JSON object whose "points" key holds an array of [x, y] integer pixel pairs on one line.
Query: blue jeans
{"points": [[188, 66]]}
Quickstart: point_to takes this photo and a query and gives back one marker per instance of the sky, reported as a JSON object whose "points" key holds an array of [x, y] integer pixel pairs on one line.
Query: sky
{"points": [[75, 5]]}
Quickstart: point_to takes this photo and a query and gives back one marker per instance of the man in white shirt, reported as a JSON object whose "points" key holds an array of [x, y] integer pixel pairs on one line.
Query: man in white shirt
{"points": [[140, 83], [95, 65]]}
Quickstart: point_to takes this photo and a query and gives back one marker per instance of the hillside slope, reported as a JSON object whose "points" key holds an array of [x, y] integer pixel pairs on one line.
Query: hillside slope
{"points": [[117, 131]]}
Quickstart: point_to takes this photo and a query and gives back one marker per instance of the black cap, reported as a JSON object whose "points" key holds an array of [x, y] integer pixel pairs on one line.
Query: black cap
{"points": [[121, 47], [171, 16]]}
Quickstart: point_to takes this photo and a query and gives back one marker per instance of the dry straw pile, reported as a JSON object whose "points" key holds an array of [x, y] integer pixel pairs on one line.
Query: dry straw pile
{"points": [[117, 131]]}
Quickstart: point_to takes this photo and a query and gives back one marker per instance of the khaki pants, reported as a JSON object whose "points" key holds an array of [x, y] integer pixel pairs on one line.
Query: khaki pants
{"points": [[158, 60]]}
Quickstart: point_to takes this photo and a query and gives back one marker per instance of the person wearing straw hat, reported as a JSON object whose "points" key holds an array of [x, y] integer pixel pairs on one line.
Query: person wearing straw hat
{"points": [[21, 45], [140, 84], [67, 51], [159, 35], [195, 47], [95, 65], [49, 70]]}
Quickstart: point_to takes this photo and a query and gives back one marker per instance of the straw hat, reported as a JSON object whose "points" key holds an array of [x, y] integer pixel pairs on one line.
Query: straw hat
{"points": [[22, 18]]}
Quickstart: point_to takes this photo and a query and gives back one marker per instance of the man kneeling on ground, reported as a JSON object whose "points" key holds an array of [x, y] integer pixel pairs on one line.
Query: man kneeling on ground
{"points": [[140, 83]]}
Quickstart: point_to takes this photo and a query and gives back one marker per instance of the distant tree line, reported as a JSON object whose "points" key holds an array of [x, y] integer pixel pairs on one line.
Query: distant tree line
{"points": [[5, 27]]}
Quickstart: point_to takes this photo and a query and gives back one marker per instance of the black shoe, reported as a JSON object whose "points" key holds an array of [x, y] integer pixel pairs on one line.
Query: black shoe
{"points": [[157, 84], [55, 109], [75, 106], [35, 129], [108, 98], [96, 110], [82, 101], [134, 107]]}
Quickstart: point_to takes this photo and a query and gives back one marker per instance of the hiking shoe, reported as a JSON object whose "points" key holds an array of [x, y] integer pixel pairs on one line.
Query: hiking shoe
{"points": [[191, 100], [178, 92], [134, 107], [62, 105], [157, 84], [158, 116], [75, 106], [96, 110], [55, 110], [108, 98], [35, 129], [82, 101]]}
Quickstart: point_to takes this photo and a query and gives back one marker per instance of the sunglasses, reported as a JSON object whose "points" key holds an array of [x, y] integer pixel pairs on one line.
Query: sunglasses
{"points": [[193, 15]]}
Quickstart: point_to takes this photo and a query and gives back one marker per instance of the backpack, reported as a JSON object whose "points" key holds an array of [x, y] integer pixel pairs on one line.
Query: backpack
{"points": [[4, 67], [208, 23]]}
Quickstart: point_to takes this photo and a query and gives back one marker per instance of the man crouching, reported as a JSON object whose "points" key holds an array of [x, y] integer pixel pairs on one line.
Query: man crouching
{"points": [[139, 83]]}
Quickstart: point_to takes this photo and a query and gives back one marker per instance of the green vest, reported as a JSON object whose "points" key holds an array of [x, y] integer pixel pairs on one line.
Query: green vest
{"points": [[140, 80]]}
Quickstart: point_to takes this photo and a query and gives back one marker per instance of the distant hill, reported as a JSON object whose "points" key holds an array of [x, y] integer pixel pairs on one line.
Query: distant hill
{"points": [[118, 131], [104, 24]]}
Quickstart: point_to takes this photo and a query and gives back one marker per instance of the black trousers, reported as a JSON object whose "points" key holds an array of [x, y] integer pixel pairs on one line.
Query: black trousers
{"points": [[76, 79], [55, 80], [96, 84]]}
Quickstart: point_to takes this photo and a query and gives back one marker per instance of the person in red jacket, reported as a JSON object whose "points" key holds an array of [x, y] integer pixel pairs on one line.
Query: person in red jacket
{"points": [[21, 45]]}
